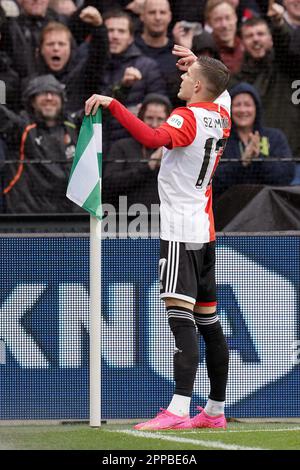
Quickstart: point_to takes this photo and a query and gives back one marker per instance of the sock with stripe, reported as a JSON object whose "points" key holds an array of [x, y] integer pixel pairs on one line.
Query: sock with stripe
{"points": [[186, 356], [216, 354]]}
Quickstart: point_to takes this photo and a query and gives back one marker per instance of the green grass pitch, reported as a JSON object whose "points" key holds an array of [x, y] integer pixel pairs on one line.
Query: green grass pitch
{"points": [[238, 436]]}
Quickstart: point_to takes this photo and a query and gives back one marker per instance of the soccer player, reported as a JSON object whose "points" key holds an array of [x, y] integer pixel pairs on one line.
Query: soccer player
{"points": [[193, 138]]}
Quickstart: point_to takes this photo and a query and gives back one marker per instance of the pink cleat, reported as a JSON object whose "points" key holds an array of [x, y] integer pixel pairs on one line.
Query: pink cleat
{"points": [[203, 420], [187, 424], [164, 420]]}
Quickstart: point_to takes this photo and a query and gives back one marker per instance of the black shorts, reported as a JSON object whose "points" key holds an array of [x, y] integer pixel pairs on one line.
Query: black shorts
{"points": [[187, 272]]}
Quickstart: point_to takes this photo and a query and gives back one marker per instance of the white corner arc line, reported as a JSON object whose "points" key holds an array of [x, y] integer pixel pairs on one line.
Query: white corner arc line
{"points": [[184, 440]]}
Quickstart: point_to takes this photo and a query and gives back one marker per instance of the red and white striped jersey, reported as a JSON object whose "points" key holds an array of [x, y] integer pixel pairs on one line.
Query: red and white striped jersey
{"points": [[198, 135]]}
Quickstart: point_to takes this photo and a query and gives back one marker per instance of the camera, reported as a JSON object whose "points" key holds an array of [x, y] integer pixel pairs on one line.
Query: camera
{"points": [[194, 26]]}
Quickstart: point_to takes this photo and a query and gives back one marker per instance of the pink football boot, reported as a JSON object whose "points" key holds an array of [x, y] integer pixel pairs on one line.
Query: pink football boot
{"points": [[164, 420]]}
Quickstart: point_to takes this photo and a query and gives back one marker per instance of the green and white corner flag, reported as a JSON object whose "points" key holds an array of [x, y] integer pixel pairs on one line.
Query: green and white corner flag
{"points": [[84, 189], [84, 186]]}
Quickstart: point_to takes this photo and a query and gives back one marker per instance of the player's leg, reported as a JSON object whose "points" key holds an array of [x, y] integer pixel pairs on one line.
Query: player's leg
{"points": [[186, 354], [178, 290], [216, 349]]}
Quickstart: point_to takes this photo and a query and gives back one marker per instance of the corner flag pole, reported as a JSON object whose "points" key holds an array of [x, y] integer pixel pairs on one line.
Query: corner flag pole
{"points": [[84, 188], [95, 322]]}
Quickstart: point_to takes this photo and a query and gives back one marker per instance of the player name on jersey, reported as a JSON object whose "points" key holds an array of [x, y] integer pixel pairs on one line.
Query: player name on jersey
{"points": [[222, 122]]}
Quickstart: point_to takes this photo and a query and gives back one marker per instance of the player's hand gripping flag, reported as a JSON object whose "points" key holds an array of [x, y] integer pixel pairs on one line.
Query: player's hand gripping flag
{"points": [[84, 186]]}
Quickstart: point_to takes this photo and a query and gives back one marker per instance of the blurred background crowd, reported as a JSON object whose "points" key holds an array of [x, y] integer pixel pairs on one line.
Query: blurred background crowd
{"points": [[55, 53]]}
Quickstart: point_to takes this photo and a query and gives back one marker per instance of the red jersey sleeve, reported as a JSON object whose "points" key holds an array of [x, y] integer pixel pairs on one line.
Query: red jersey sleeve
{"points": [[181, 127], [144, 134]]}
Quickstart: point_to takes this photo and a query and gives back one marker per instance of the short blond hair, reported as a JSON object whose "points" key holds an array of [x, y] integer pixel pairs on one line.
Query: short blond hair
{"points": [[55, 26], [212, 4]]}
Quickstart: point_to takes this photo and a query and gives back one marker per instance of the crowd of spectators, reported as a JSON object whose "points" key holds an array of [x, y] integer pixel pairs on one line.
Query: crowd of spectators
{"points": [[55, 53]]}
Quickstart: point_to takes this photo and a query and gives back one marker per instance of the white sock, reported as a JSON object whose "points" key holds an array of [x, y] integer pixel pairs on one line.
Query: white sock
{"points": [[214, 408], [180, 405]]}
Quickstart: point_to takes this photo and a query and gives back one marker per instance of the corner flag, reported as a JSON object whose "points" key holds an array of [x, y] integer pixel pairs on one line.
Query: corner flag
{"points": [[84, 186], [84, 189]]}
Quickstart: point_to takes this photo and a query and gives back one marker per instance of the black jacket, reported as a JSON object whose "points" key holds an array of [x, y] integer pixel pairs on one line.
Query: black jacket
{"points": [[21, 40], [151, 82], [130, 176], [166, 62], [273, 145], [272, 77], [11, 82], [81, 73], [37, 187]]}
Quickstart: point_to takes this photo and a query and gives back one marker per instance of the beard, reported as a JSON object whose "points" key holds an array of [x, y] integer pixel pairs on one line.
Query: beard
{"points": [[49, 113], [156, 34], [53, 115]]}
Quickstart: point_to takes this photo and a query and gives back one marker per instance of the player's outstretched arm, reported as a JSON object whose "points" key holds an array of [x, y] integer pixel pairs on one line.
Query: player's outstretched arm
{"points": [[151, 138], [187, 57]]}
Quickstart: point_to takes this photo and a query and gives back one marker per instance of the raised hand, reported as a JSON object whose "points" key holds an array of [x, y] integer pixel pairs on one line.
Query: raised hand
{"points": [[181, 36], [252, 149], [187, 57], [131, 75], [276, 12], [136, 6], [92, 16]]}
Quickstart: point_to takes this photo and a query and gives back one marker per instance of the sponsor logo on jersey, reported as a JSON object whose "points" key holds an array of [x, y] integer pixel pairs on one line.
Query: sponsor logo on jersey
{"points": [[175, 121]]}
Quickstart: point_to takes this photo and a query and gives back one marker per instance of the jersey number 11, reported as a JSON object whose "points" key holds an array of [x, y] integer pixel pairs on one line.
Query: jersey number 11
{"points": [[208, 156]]}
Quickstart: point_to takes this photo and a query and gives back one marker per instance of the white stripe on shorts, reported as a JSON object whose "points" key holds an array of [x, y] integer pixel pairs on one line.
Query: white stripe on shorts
{"points": [[176, 266], [172, 263], [172, 266], [168, 267]]}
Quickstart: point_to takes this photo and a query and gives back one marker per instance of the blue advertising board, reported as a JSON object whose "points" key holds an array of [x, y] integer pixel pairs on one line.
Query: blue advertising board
{"points": [[44, 325]]}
